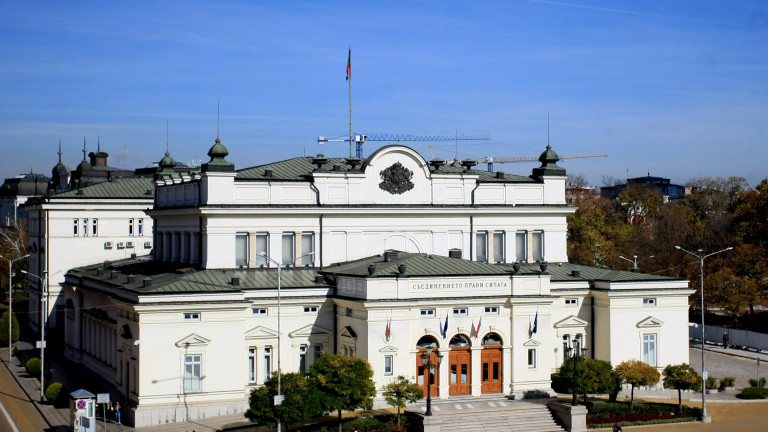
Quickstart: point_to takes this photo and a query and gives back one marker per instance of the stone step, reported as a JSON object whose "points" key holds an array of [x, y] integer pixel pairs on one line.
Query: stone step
{"points": [[490, 414]]}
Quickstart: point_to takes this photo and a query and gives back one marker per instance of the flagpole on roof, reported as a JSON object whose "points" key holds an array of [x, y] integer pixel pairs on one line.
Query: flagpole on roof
{"points": [[349, 80]]}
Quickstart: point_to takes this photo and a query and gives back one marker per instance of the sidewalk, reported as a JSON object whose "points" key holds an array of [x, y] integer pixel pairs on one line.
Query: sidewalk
{"points": [[58, 418]]}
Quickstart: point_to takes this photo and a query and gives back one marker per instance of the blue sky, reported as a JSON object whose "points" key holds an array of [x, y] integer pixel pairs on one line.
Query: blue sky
{"points": [[675, 88]]}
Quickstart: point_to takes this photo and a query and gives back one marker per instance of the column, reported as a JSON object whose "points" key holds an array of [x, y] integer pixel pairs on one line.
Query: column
{"points": [[508, 371], [445, 370], [477, 370]]}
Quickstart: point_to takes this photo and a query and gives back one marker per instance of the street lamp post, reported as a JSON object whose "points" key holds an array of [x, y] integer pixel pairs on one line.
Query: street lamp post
{"points": [[279, 399], [43, 320], [576, 353], [430, 366], [634, 261], [10, 302], [704, 417]]}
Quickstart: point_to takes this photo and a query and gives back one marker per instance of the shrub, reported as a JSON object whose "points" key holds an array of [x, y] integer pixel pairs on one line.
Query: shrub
{"points": [[56, 393], [753, 393], [620, 409], [755, 383], [711, 383], [727, 382], [33, 366]]}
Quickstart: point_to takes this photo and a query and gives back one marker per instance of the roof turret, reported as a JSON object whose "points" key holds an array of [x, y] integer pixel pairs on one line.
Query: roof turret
{"points": [[549, 166], [218, 163]]}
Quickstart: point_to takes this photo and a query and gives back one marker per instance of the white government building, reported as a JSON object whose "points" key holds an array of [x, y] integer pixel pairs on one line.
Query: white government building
{"points": [[383, 257]]}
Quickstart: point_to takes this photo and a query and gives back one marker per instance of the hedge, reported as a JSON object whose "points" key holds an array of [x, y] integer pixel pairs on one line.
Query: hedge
{"points": [[33, 366]]}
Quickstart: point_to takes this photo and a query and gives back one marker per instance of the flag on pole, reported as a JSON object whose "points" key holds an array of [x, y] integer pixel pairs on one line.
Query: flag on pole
{"points": [[477, 332], [349, 63], [530, 331], [536, 322], [472, 332], [388, 333], [445, 327]]}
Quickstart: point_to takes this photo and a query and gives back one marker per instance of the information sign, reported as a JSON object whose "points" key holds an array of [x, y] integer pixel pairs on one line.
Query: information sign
{"points": [[102, 398], [279, 399]]}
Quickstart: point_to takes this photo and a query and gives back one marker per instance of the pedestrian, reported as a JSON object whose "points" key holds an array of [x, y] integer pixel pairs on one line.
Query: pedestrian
{"points": [[117, 412], [725, 340], [617, 428]]}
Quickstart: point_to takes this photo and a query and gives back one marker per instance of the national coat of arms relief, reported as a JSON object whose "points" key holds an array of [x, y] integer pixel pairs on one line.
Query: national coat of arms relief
{"points": [[396, 179]]}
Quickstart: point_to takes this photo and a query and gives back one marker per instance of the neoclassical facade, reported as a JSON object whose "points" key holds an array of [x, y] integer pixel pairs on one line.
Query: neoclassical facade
{"points": [[379, 258]]}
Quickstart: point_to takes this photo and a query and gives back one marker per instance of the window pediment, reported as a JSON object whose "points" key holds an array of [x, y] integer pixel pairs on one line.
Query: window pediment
{"points": [[388, 349], [193, 340], [571, 322], [532, 343], [260, 332], [309, 331], [650, 322], [348, 332]]}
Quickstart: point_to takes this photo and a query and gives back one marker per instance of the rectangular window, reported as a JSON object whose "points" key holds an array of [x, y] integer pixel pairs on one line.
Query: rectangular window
{"points": [[521, 242], [307, 249], [491, 310], [498, 247], [310, 309], [130, 227], [427, 312], [538, 246], [318, 352], [649, 302], [481, 246], [303, 359], [241, 250], [388, 369], [191, 316], [85, 227], [459, 311], [252, 364], [192, 372], [75, 227], [532, 358], [259, 311], [140, 226], [94, 227], [289, 252], [571, 302], [649, 349], [262, 247], [267, 362]]}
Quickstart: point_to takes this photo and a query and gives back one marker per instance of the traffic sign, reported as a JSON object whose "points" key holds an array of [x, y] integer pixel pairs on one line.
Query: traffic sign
{"points": [[81, 404]]}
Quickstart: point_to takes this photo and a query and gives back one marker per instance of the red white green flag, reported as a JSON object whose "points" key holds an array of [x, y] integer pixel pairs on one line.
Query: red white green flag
{"points": [[349, 62]]}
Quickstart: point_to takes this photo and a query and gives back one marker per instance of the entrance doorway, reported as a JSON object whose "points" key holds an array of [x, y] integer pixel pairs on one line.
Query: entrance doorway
{"points": [[421, 376], [490, 358], [460, 363]]}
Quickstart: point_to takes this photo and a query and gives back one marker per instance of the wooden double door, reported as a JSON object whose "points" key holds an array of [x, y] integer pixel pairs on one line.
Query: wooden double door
{"points": [[490, 359], [460, 373], [421, 377]]}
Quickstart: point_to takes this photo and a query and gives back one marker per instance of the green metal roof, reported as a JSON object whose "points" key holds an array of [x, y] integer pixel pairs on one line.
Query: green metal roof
{"points": [[124, 187], [417, 265]]}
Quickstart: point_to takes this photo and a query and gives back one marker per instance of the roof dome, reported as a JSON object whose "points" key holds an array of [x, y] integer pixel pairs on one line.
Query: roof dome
{"points": [[167, 161], [218, 163], [549, 166]]}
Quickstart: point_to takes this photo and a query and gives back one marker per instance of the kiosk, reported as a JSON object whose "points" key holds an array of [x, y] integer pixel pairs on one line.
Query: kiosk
{"points": [[82, 411]]}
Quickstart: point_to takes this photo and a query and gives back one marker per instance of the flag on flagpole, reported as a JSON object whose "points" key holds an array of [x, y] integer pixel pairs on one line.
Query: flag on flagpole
{"points": [[477, 332], [530, 331], [536, 322], [472, 332], [349, 63], [388, 334], [445, 327]]}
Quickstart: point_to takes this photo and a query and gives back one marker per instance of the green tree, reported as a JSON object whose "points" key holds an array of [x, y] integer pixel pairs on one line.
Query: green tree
{"points": [[637, 374], [750, 226], [681, 377], [592, 376], [401, 391], [4, 328], [343, 382], [300, 404]]}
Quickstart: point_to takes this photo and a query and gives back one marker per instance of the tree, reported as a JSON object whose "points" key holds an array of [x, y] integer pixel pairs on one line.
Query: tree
{"points": [[343, 382], [401, 391], [301, 401], [4, 328], [680, 377], [13, 244], [593, 376], [637, 374]]}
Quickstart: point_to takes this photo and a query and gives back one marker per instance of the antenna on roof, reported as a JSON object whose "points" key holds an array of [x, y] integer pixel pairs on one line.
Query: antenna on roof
{"points": [[166, 135], [218, 118], [549, 147], [98, 143], [85, 150], [60, 153]]}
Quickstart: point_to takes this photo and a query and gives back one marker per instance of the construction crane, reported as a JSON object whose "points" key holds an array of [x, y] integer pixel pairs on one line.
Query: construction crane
{"points": [[490, 160], [361, 139]]}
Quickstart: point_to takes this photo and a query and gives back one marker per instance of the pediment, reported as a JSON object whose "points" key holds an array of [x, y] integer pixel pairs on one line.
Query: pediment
{"points": [[348, 332], [532, 343], [388, 349], [650, 322], [310, 330], [193, 340], [260, 332], [571, 322]]}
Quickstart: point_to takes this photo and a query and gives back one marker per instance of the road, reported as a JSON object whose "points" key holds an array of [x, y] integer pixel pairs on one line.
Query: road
{"points": [[21, 410]]}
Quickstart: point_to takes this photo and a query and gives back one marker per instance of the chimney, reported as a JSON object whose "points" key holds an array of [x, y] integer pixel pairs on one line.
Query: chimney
{"points": [[131, 278], [454, 253], [390, 255], [147, 282]]}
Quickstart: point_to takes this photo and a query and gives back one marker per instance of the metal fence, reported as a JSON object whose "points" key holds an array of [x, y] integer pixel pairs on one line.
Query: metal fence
{"points": [[738, 338]]}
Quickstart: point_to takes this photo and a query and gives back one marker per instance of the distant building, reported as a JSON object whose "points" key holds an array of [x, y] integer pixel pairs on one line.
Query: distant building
{"points": [[15, 192], [667, 190]]}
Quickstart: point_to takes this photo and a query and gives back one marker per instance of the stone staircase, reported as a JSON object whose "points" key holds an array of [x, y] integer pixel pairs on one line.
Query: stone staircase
{"points": [[486, 413]]}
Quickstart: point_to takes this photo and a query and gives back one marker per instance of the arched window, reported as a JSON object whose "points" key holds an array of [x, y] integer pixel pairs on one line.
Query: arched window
{"points": [[492, 339], [460, 341]]}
